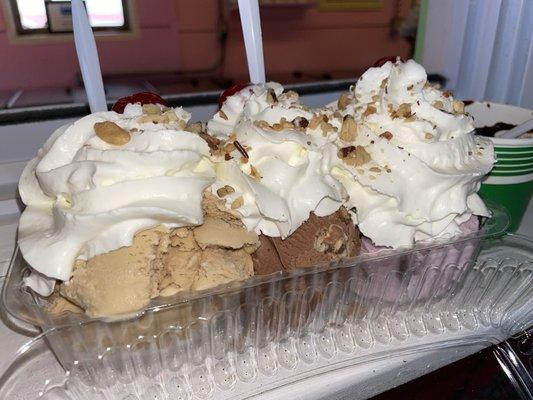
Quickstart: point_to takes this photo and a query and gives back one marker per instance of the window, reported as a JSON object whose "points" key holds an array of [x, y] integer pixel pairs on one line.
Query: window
{"points": [[53, 16]]}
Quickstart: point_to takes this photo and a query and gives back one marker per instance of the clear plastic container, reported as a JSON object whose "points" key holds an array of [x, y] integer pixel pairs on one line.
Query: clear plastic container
{"points": [[254, 336]]}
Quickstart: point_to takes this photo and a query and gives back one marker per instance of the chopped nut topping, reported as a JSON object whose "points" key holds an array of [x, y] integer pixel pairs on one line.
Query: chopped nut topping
{"points": [[384, 83], [386, 135], [326, 128], [369, 110], [458, 107], [111, 133], [375, 98], [229, 148], [349, 129], [300, 122], [361, 171], [282, 124], [354, 155], [291, 95], [345, 151], [331, 240], [254, 173], [225, 190], [438, 104], [428, 136], [375, 169], [212, 142], [244, 160], [315, 121], [404, 111], [195, 127], [372, 177], [227, 157], [167, 117], [277, 126], [410, 87], [337, 114], [170, 116], [151, 109], [343, 101], [223, 115], [271, 97], [447, 93], [238, 202], [262, 124]]}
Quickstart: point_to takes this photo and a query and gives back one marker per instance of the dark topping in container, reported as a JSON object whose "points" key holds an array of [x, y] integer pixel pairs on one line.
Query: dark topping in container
{"points": [[489, 131]]}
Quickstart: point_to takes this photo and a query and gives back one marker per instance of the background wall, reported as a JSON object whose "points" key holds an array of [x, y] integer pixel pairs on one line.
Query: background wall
{"points": [[177, 35]]}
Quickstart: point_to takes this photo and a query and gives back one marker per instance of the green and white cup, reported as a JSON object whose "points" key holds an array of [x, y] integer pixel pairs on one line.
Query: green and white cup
{"points": [[510, 183]]}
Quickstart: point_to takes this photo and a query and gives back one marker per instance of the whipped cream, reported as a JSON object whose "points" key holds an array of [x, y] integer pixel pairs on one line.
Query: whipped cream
{"points": [[85, 196], [413, 168], [273, 168]]}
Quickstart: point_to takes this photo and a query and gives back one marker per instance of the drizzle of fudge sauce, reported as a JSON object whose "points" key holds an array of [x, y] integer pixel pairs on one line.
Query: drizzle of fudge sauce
{"points": [[489, 131]]}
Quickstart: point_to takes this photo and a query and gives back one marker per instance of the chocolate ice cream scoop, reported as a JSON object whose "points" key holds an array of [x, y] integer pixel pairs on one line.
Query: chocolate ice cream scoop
{"points": [[318, 240]]}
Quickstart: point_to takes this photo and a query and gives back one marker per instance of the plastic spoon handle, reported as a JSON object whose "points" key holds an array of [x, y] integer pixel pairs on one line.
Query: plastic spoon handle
{"points": [[253, 40], [88, 58], [518, 130]]}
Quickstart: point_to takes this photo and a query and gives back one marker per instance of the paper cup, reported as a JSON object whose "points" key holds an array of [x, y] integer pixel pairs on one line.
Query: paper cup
{"points": [[510, 183]]}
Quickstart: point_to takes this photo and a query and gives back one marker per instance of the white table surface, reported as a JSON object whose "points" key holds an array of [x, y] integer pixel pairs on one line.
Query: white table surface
{"points": [[11, 341]]}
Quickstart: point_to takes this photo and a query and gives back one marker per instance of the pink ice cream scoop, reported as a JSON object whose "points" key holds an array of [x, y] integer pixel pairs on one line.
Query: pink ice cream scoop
{"points": [[428, 272]]}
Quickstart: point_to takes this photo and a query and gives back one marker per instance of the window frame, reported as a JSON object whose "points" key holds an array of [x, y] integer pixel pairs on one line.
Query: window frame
{"points": [[21, 32]]}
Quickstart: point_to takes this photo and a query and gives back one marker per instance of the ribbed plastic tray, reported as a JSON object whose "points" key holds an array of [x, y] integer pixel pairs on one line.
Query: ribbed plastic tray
{"points": [[254, 337], [37, 375]]}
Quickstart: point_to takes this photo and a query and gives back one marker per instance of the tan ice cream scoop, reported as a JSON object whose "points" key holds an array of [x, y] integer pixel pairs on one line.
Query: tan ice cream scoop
{"points": [[162, 262]]}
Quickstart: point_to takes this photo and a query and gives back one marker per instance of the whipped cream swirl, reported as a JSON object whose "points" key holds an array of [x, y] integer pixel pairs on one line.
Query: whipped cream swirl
{"points": [[413, 167], [273, 169], [85, 196]]}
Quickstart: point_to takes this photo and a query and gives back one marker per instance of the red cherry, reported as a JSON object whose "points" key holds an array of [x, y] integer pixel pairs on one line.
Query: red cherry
{"points": [[383, 60], [231, 91], [142, 97]]}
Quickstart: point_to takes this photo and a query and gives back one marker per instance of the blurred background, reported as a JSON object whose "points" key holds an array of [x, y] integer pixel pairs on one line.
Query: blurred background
{"points": [[183, 46]]}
